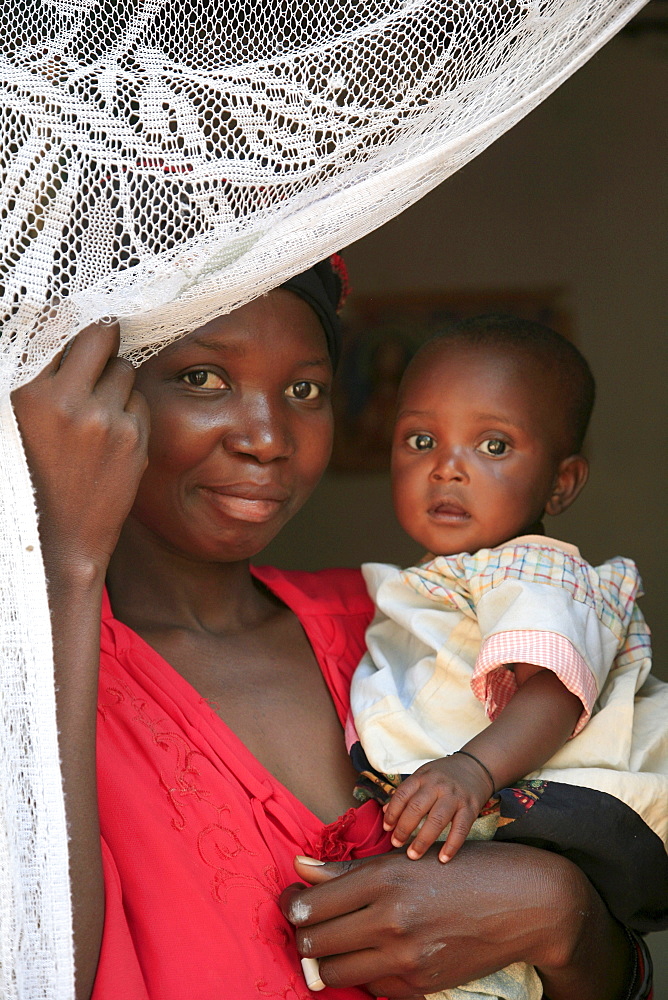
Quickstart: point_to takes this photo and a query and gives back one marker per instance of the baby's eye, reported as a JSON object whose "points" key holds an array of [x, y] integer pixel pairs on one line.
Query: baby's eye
{"points": [[203, 379], [421, 442], [493, 446], [303, 391]]}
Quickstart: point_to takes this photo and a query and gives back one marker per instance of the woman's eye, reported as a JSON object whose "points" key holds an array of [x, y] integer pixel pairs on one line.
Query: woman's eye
{"points": [[494, 447], [203, 379], [421, 442], [304, 391]]}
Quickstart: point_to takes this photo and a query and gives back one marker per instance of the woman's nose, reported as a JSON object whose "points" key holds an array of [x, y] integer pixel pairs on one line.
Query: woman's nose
{"points": [[449, 465], [261, 432]]}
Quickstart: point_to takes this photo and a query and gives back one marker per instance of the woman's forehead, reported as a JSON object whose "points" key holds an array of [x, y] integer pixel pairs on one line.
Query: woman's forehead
{"points": [[280, 319]]}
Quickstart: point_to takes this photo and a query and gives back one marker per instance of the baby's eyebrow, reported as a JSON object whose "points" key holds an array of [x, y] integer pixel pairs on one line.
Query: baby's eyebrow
{"points": [[491, 418], [414, 413], [499, 418]]}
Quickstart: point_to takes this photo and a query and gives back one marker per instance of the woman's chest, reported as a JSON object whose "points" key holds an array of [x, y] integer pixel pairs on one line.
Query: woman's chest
{"points": [[276, 703], [203, 842]]}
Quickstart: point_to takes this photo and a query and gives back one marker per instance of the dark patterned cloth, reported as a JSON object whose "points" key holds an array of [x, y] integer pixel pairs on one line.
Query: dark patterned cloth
{"points": [[623, 859]]}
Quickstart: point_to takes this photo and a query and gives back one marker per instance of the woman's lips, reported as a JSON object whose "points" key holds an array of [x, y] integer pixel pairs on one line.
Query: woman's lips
{"points": [[246, 503]]}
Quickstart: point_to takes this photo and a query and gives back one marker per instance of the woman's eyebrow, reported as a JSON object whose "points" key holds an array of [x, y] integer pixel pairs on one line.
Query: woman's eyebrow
{"points": [[232, 349], [217, 346]]}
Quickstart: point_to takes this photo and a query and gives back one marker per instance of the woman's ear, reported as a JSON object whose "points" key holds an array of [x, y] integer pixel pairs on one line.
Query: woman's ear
{"points": [[571, 477]]}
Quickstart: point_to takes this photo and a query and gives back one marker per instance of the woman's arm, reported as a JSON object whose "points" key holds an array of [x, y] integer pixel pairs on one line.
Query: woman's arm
{"points": [[407, 928], [84, 430]]}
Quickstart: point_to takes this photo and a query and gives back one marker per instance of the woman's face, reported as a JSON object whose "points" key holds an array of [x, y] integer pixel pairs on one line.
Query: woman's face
{"points": [[241, 429]]}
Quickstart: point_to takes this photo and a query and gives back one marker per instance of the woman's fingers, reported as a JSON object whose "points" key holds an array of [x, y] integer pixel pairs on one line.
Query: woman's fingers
{"points": [[85, 431], [88, 355], [340, 965], [343, 971], [303, 906], [139, 408], [318, 936], [418, 929], [52, 366], [386, 987], [80, 363], [115, 382], [388, 920], [315, 871], [359, 927]]}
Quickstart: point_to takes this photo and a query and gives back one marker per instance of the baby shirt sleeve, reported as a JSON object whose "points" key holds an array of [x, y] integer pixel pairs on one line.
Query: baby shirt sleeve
{"points": [[539, 602]]}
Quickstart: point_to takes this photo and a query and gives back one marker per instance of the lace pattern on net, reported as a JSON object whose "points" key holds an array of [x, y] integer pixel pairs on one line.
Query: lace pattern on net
{"points": [[168, 160]]}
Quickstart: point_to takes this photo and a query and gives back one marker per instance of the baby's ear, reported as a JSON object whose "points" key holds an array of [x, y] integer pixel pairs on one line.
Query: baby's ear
{"points": [[571, 477]]}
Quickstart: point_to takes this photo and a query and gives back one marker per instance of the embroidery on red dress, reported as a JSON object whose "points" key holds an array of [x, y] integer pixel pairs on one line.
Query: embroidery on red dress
{"points": [[294, 990]]}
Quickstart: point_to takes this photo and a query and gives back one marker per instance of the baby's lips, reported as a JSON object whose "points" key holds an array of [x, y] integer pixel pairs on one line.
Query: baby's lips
{"points": [[448, 508]]}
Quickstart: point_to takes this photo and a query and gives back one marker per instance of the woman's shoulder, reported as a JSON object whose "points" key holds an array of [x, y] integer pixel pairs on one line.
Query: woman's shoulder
{"points": [[339, 591]]}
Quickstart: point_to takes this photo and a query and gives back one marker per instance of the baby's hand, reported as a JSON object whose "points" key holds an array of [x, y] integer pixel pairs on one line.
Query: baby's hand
{"points": [[448, 790]]}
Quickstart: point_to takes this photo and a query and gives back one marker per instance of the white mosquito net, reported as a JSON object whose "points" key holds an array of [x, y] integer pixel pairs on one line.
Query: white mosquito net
{"points": [[164, 161]]}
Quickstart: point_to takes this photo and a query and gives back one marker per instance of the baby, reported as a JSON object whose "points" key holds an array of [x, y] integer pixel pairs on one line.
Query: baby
{"points": [[487, 658]]}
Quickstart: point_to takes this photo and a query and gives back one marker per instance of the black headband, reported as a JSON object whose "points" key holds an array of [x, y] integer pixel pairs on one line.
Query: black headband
{"points": [[324, 287]]}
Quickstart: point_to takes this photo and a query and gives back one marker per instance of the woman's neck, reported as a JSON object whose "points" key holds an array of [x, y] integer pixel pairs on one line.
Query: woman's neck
{"points": [[151, 586]]}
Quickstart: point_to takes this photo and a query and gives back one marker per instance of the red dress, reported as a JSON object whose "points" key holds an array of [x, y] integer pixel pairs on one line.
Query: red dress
{"points": [[198, 837]]}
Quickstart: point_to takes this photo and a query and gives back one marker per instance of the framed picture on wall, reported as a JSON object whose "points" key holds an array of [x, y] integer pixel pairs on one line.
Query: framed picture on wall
{"points": [[381, 335]]}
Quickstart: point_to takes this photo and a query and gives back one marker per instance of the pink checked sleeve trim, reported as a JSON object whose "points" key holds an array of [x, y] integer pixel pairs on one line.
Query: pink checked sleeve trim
{"points": [[351, 736], [494, 684]]}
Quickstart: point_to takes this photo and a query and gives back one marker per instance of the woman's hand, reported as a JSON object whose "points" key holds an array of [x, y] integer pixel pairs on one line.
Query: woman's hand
{"points": [[405, 928], [85, 432]]}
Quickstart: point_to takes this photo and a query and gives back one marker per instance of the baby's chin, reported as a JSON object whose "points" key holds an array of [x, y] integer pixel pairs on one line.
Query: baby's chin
{"points": [[473, 545]]}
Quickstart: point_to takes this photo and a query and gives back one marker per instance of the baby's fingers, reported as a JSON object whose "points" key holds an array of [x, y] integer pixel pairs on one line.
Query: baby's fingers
{"points": [[439, 816], [412, 813], [462, 821], [398, 801]]}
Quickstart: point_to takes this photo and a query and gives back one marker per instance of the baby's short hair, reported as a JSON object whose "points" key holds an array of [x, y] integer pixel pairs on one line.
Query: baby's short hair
{"points": [[556, 358]]}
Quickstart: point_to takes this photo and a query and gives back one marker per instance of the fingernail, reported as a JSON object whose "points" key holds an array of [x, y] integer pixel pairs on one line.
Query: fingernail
{"points": [[311, 968], [413, 855], [387, 827], [396, 842], [444, 858], [305, 860]]}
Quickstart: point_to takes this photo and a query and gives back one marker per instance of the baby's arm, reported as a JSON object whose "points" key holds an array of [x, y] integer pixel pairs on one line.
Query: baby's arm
{"points": [[530, 729]]}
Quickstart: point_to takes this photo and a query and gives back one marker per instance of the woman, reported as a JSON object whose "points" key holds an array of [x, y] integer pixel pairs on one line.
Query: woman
{"points": [[222, 695]]}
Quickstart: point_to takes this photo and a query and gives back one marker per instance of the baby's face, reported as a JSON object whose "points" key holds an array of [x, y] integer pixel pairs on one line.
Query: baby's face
{"points": [[475, 453]]}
